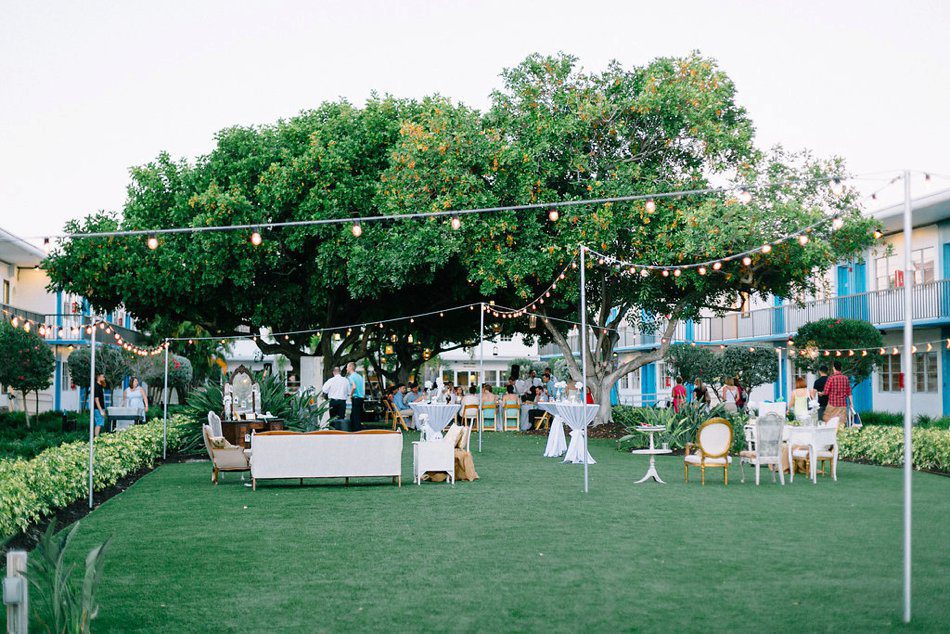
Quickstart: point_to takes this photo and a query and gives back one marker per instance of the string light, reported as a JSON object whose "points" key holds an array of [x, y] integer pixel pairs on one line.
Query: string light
{"points": [[747, 260], [152, 241], [878, 234], [256, 238], [650, 206], [456, 222], [766, 248], [803, 239], [837, 223], [553, 215], [357, 229], [745, 196]]}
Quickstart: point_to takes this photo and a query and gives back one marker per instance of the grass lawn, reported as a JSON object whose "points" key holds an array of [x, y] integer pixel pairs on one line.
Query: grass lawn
{"points": [[521, 549]]}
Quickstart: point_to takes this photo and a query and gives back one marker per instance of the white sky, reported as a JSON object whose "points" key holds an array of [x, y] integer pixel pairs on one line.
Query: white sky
{"points": [[88, 89]]}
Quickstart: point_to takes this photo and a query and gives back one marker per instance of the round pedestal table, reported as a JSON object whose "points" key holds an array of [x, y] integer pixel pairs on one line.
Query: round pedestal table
{"points": [[652, 451]]}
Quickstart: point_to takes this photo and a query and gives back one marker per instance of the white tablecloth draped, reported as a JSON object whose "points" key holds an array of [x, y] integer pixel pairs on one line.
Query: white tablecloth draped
{"points": [[557, 443], [438, 416], [577, 416]]}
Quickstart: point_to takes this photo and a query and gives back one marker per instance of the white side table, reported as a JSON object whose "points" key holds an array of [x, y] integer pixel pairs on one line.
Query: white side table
{"points": [[434, 456], [652, 452]]}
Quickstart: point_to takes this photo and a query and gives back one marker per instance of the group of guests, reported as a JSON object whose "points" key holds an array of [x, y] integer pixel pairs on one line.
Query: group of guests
{"points": [[732, 396], [338, 389], [527, 391]]}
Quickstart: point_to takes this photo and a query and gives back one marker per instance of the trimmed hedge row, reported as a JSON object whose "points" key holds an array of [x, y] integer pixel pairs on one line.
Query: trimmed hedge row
{"points": [[32, 489], [885, 445]]}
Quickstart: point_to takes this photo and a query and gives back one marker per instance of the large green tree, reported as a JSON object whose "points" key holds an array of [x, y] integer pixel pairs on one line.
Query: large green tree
{"points": [[27, 363], [819, 343], [556, 132]]}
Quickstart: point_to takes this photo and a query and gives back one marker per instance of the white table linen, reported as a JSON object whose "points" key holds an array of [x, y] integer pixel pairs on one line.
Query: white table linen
{"points": [[557, 443], [437, 417], [577, 416]]}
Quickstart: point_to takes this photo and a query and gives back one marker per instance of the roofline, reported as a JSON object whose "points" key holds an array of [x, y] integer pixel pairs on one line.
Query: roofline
{"points": [[916, 203], [28, 247]]}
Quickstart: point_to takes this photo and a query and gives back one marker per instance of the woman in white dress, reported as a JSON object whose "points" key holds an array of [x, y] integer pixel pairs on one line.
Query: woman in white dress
{"points": [[135, 396]]}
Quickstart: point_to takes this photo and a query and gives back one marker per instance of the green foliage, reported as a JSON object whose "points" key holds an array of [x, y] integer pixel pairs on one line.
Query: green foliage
{"points": [[151, 370], [32, 489], [680, 426], [897, 420], [752, 366], [112, 361], [19, 441], [837, 333], [63, 607], [26, 362], [881, 444]]}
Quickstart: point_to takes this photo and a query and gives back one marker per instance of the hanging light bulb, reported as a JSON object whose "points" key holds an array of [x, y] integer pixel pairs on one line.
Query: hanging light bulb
{"points": [[929, 347], [42, 330], [877, 234], [456, 222], [553, 215], [837, 187], [409, 338], [26, 326], [677, 272], [717, 266], [745, 196], [357, 229], [650, 206], [666, 273], [701, 270], [766, 248], [644, 272], [895, 350], [747, 260], [883, 351], [803, 239], [864, 353], [256, 238], [15, 321], [152, 241], [494, 351], [837, 223]]}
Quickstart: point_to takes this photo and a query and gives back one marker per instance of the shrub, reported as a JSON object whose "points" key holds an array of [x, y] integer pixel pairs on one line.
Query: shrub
{"points": [[680, 426], [32, 489], [885, 445]]}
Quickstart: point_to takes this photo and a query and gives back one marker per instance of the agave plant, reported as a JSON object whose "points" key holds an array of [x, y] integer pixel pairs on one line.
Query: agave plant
{"points": [[60, 607]]}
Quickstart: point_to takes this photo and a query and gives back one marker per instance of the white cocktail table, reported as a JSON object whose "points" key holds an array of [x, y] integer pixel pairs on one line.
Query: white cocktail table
{"points": [[652, 452]]}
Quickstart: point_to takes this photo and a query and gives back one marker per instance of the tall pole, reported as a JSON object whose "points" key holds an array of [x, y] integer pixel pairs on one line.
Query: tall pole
{"points": [[907, 369], [481, 375], [583, 341], [165, 410], [92, 404]]}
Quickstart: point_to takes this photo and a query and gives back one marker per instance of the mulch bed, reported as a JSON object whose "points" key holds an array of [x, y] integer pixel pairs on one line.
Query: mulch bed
{"points": [[28, 539], [611, 431]]}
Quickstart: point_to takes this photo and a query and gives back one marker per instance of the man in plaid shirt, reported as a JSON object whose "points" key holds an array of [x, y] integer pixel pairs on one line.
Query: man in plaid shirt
{"points": [[838, 391]]}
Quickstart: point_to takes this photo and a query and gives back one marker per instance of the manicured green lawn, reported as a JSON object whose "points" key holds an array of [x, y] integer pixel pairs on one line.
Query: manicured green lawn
{"points": [[522, 549]]}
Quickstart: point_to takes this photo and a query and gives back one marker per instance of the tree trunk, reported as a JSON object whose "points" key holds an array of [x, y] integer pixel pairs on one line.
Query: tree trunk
{"points": [[26, 408]]}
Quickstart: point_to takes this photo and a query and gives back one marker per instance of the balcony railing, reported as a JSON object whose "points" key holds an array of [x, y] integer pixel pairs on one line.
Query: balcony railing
{"points": [[67, 327], [930, 302]]}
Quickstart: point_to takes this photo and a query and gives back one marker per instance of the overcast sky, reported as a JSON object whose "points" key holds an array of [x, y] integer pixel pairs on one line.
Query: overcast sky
{"points": [[91, 88]]}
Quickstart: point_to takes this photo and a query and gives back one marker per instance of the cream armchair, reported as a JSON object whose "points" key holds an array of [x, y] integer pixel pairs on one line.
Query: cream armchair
{"points": [[713, 440], [224, 456]]}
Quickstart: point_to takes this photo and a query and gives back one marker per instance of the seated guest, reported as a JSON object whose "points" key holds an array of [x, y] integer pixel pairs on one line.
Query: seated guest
{"points": [[458, 395], [446, 393], [413, 394], [510, 398], [399, 402], [548, 381], [488, 397], [540, 396]]}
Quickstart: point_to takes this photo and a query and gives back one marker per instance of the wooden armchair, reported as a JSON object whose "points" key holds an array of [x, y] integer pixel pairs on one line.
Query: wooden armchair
{"points": [[397, 417], [713, 441]]}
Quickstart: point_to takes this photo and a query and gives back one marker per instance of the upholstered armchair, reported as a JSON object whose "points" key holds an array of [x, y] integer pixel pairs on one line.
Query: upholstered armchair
{"points": [[224, 456], [711, 449]]}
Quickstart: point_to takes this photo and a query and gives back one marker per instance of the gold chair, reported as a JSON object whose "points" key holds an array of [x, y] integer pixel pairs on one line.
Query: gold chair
{"points": [[543, 421], [470, 416], [224, 456], [398, 418], [713, 441], [511, 412]]}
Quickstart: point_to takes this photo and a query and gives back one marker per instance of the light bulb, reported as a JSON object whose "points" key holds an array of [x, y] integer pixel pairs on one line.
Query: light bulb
{"points": [[644, 272], [152, 242], [553, 215], [745, 196], [701, 270], [357, 229], [877, 234], [766, 248], [456, 223], [747, 260], [837, 187], [650, 206], [666, 273], [256, 238], [26, 326], [717, 266], [803, 239], [15, 321], [677, 272], [837, 223]]}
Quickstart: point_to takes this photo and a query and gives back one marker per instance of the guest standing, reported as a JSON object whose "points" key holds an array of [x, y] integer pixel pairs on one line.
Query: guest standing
{"points": [[700, 394], [819, 387], [99, 403], [799, 399], [679, 394], [337, 389], [730, 395], [135, 396], [357, 394], [838, 391]]}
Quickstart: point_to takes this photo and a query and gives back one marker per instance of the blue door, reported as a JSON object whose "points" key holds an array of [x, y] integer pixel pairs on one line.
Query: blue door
{"points": [[945, 287], [844, 288], [778, 318], [862, 395], [860, 309], [648, 384]]}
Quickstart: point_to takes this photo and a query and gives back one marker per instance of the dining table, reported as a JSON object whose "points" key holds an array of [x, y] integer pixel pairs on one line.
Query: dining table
{"points": [[437, 416], [577, 416], [557, 442]]}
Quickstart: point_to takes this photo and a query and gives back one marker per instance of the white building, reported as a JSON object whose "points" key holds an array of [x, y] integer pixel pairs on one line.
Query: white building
{"points": [[462, 366]]}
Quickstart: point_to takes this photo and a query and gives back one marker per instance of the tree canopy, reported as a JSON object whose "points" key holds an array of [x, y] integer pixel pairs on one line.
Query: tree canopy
{"points": [[28, 363], [819, 343]]}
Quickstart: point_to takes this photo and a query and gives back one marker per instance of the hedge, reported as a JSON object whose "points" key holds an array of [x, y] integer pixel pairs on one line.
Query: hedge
{"points": [[885, 445], [33, 489]]}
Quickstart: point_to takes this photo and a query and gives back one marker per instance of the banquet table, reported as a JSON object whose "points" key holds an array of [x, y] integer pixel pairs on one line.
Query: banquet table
{"points": [[577, 416], [438, 416], [557, 443]]}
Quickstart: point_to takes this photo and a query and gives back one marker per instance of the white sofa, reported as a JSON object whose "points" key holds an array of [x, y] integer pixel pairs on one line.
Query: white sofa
{"points": [[326, 454]]}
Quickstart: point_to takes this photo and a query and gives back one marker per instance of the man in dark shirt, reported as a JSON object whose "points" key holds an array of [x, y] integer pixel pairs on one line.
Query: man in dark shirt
{"points": [[99, 403], [819, 387]]}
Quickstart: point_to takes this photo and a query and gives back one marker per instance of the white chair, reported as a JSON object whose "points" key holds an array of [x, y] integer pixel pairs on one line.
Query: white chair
{"points": [[765, 448], [779, 409], [214, 421], [713, 440], [813, 444], [436, 456]]}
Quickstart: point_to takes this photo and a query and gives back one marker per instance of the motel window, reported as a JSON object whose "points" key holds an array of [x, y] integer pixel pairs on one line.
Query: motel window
{"points": [[6, 291], [889, 373], [925, 371], [888, 268]]}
